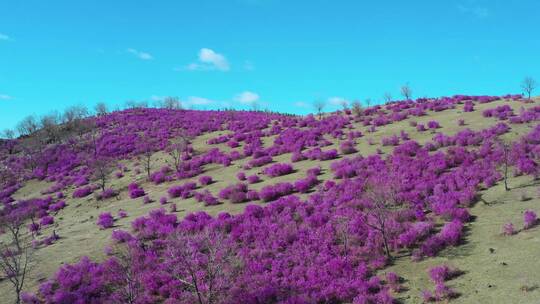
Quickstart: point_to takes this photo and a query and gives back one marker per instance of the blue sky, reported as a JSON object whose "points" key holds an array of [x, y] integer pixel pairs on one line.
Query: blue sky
{"points": [[283, 54]]}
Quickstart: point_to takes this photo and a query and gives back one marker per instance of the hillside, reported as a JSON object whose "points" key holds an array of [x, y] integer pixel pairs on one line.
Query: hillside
{"points": [[296, 204]]}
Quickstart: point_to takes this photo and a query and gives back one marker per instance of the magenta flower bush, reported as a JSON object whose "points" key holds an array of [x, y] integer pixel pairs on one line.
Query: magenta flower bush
{"points": [[206, 197], [241, 176], [501, 112], [205, 180], [347, 147], [297, 156], [135, 191], [105, 220], [390, 141], [433, 124], [253, 179], [55, 207], [273, 192], [258, 162], [468, 107], [183, 191], [304, 185], [83, 192], [276, 170], [508, 229], [46, 220], [108, 193], [235, 193], [439, 275], [529, 219]]}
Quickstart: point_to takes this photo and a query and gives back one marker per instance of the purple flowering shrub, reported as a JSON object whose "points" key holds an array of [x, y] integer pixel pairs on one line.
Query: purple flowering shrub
{"points": [[433, 124], [273, 192], [235, 193], [508, 229], [529, 219], [108, 193], [253, 179], [105, 220], [206, 197], [46, 220], [183, 191], [390, 141], [205, 180], [83, 191], [276, 170], [135, 191], [241, 176], [501, 112], [439, 275], [347, 147], [305, 184]]}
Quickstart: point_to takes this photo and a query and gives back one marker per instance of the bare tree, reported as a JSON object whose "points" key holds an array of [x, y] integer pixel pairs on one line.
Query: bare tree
{"points": [[7, 175], [387, 97], [102, 167], [101, 109], [132, 104], [142, 104], [357, 108], [505, 148], [406, 91], [126, 269], [146, 145], [84, 126], [49, 125], [32, 148], [73, 116], [27, 126], [15, 251], [74, 113], [384, 200], [344, 105], [528, 85], [319, 105], [205, 263], [172, 103], [368, 102], [176, 150], [254, 106], [342, 227], [8, 134]]}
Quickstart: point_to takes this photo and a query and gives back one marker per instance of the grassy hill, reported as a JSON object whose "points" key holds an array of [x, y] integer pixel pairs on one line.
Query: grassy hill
{"points": [[495, 268]]}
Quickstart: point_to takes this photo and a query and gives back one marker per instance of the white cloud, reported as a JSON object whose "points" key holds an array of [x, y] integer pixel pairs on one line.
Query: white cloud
{"points": [[5, 97], [476, 11], [198, 101], [247, 97], [337, 101], [208, 60], [301, 104], [141, 55], [157, 98]]}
